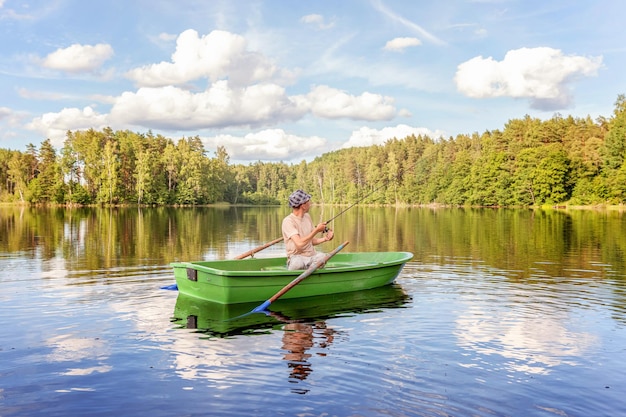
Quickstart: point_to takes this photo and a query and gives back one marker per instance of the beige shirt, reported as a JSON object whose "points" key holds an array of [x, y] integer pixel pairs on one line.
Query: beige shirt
{"points": [[294, 225]]}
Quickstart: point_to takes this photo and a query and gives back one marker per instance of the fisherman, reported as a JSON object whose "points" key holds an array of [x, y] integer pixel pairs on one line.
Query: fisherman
{"points": [[300, 235]]}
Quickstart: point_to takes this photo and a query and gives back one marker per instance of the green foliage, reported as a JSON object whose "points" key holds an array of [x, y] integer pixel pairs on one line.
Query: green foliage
{"points": [[614, 150], [530, 162], [79, 195]]}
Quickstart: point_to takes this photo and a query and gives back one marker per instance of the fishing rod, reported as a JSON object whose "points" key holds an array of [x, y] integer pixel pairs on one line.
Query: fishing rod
{"points": [[355, 203], [402, 171], [260, 248]]}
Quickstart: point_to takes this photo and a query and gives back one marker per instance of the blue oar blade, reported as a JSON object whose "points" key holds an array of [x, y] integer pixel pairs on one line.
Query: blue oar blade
{"points": [[262, 307], [172, 287]]}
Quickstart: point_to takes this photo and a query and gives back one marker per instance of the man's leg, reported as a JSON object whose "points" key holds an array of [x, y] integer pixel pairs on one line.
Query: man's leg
{"points": [[298, 262]]}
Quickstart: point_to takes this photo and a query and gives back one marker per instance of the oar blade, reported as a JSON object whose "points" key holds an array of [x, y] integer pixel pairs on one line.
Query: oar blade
{"points": [[262, 307]]}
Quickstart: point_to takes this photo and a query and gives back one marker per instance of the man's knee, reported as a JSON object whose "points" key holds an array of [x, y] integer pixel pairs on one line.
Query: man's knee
{"points": [[296, 262]]}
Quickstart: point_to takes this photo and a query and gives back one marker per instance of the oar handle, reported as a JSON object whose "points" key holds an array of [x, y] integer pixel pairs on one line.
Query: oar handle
{"points": [[258, 249]]}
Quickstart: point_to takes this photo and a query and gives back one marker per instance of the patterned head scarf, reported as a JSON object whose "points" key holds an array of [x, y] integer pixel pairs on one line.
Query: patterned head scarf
{"points": [[297, 198]]}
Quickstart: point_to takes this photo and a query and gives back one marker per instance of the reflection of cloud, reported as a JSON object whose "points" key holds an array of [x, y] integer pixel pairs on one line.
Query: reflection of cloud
{"points": [[75, 389], [193, 356], [534, 344], [69, 348], [88, 371], [53, 268], [66, 348], [197, 358]]}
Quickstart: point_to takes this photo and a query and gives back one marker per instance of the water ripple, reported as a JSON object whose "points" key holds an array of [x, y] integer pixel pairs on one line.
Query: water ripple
{"points": [[465, 339]]}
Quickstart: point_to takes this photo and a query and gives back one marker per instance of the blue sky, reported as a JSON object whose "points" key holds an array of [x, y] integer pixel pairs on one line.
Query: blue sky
{"points": [[286, 80]]}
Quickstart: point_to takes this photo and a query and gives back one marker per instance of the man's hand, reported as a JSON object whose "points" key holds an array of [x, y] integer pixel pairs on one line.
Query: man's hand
{"points": [[320, 228]]}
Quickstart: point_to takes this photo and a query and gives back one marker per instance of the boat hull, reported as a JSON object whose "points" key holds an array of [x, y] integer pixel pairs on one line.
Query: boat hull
{"points": [[258, 279], [230, 319]]}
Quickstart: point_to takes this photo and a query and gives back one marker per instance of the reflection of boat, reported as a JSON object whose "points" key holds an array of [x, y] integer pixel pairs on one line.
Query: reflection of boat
{"points": [[257, 279], [223, 319]]}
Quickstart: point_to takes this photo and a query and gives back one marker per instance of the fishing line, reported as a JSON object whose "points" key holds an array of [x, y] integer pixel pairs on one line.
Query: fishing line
{"points": [[357, 202], [401, 172]]}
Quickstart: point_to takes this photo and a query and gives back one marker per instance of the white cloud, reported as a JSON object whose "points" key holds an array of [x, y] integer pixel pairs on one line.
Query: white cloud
{"points": [[42, 95], [216, 56], [217, 107], [331, 103], [367, 136], [541, 74], [167, 37], [10, 119], [11, 14], [270, 144], [400, 44], [54, 126], [221, 106], [56, 96], [481, 32], [318, 21], [243, 91], [5, 112], [78, 58], [405, 113]]}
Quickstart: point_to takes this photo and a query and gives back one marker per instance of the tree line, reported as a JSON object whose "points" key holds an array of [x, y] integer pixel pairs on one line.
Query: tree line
{"points": [[530, 162]]}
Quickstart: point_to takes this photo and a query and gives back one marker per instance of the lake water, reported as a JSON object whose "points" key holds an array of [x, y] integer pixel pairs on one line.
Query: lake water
{"points": [[500, 313]]}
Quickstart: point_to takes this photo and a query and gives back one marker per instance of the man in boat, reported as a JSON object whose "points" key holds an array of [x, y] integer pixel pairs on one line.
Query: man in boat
{"points": [[300, 235]]}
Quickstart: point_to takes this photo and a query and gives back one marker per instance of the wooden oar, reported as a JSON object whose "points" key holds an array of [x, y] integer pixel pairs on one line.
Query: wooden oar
{"points": [[300, 278], [258, 249]]}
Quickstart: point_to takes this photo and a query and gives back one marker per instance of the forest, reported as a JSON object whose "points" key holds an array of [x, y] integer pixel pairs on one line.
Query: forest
{"points": [[530, 162]]}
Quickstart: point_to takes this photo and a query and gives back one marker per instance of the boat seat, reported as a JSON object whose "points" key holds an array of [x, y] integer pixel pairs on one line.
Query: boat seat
{"points": [[275, 268], [329, 265], [349, 264]]}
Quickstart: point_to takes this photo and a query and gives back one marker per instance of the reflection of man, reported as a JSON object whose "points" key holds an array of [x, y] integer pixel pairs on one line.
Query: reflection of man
{"points": [[298, 338]]}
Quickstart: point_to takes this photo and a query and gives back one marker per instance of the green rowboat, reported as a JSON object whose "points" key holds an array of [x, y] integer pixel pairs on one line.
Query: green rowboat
{"points": [[251, 280]]}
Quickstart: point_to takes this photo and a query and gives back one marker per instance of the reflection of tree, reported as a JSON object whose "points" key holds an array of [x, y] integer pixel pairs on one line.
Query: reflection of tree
{"points": [[298, 339]]}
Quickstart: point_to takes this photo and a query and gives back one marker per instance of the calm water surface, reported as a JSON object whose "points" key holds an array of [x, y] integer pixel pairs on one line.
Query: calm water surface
{"points": [[500, 313]]}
